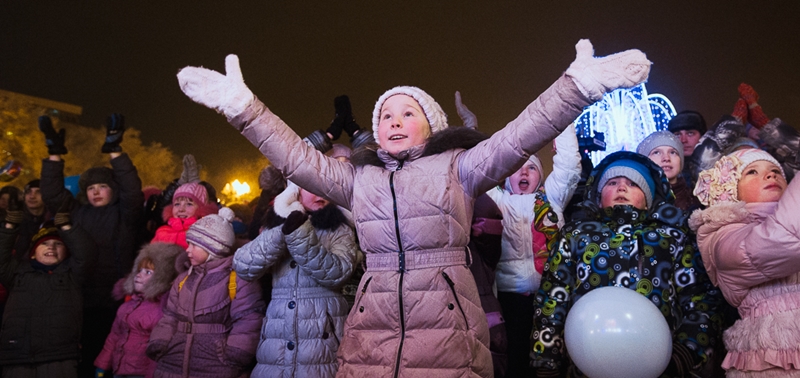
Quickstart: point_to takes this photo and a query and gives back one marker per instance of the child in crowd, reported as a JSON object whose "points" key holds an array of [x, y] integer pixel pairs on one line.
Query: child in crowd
{"points": [[310, 250], [748, 237], [146, 285], [530, 222], [109, 207], [631, 237], [411, 196], [212, 317], [41, 330], [665, 149], [189, 203]]}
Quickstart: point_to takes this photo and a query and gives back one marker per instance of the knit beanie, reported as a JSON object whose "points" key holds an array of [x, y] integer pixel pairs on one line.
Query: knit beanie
{"points": [[193, 191], [687, 120], [658, 139], [32, 184], [213, 233], [634, 171], [721, 183], [45, 233], [538, 163], [96, 175], [433, 112]]}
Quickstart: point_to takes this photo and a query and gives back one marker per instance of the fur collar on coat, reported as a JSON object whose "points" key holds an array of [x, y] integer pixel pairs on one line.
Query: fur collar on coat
{"points": [[445, 140], [329, 217], [163, 256]]}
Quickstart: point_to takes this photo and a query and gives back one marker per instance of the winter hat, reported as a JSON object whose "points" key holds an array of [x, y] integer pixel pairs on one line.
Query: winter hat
{"points": [[96, 175], [339, 150], [192, 190], [634, 171], [213, 233], [433, 112], [32, 184], [163, 256], [687, 120], [658, 139], [538, 163], [721, 183], [45, 233]]}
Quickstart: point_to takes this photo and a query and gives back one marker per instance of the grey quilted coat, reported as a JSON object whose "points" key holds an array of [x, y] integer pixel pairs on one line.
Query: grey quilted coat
{"points": [[306, 315], [417, 310]]}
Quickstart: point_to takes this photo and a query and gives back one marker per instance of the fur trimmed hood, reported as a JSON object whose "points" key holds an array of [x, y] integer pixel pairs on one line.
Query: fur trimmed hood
{"points": [[441, 141], [328, 218], [163, 256], [720, 215]]}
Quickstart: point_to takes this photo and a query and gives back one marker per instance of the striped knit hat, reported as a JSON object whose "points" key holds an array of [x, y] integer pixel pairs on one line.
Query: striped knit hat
{"points": [[214, 233]]}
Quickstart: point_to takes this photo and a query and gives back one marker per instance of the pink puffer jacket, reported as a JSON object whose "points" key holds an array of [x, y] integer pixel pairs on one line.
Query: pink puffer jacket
{"points": [[417, 308]]}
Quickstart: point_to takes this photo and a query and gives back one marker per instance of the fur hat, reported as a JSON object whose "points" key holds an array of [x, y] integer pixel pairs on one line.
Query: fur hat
{"points": [[433, 112], [721, 183], [633, 171], [687, 120], [163, 257], [214, 233], [97, 175], [658, 139], [538, 163]]}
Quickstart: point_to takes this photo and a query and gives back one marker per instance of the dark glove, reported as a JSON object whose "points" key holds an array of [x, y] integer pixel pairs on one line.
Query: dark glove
{"points": [[99, 373], [343, 112], [156, 348], [14, 211], [349, 120], [115, 128], [54, 140], [293, 222], [62, 218], [320, 141]]}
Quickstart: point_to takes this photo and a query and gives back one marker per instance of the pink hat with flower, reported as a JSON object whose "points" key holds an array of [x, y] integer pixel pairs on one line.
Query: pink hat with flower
{"points": [[721, 183]]}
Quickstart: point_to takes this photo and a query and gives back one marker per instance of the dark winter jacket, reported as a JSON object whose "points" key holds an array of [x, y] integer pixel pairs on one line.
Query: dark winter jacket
{"points": [[114, 227], [43, 315], [647, 251]]}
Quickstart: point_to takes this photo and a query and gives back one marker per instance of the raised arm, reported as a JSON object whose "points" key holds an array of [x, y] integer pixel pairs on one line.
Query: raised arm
{"points": [[560, 184], [329, 262], [253, 259]]}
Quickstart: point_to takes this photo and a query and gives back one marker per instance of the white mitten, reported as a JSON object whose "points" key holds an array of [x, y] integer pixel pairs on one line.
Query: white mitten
{"points": [[465, 114], [226, 94], [596, 76]]}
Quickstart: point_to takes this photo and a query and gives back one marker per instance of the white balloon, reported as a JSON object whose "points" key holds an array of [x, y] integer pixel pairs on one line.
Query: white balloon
{"points": [[616, 332]]}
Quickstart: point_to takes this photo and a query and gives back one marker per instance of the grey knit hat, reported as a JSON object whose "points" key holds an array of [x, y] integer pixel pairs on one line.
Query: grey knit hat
{"points": [[658, 139], [632, 170], [214, 233], [433, 112]]}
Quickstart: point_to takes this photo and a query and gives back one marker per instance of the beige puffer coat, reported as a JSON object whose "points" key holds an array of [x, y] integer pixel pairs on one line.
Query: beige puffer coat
{"points": [[417, 310]]}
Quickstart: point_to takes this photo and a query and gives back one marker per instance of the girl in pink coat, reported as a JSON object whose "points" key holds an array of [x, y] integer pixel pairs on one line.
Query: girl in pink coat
{"points": [[189, 203], [749, 237], [149, 281]]}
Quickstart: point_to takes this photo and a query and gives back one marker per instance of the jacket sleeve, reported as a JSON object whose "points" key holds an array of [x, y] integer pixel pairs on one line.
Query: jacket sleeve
{"points": [[330, 263], [247, 313], [560, 185], [83, 251], [552, 303], [8, 264], [492, 160], [299, 162], [167, 325], [131, 198], [52, 186], [254, 258]]}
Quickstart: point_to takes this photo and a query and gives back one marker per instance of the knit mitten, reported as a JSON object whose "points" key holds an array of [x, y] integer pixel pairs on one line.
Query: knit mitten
{"points": [[596, 76], [227, 94], [740, 111], [191, 172], [468, 117], [54, 140], [757, 116]]}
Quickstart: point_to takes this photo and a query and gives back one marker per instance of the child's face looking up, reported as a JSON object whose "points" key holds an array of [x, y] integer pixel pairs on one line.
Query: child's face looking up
{"points": [[183, 207], [50, 252], [525, 180], [197, 255], [622, 191], [669, 160], [761, 181], [98, 194], [402, 124], [144, 275]]}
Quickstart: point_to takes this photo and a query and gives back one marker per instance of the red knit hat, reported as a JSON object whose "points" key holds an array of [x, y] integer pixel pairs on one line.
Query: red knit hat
{"points": [[47, 232], [192, 190]]}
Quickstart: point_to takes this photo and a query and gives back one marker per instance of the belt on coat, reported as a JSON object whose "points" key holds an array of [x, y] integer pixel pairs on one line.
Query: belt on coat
{"points": [[303, 293], [425, 258], [187, 327]]}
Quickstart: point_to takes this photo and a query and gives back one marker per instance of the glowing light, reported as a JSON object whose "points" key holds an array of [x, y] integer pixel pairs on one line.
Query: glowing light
{"points": [[625, 116], [240, 188]]}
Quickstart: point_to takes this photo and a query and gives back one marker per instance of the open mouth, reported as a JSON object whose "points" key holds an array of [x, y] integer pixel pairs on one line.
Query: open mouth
{"points": [[397, 137], [621, 199], [523, 184]]}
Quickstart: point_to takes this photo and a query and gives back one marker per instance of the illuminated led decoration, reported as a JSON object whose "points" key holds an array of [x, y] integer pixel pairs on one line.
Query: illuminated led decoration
{"points": [[625, 117]]}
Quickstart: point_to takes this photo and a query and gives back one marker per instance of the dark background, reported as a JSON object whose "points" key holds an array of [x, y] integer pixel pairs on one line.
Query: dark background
{"points": [[296, 56]]}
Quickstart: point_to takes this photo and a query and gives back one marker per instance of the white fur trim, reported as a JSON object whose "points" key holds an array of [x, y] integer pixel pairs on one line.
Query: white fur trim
{"points": [[288, 201], [719, 215]]}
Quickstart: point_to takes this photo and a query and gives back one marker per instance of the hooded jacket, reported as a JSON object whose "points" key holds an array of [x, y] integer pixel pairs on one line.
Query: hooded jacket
{"points": [[417, 307], [124, 349], [43, 316], [648, 251], [305, 318], [750, 251]]}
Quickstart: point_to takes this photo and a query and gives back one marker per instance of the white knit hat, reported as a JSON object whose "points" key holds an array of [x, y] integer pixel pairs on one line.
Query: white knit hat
{"points": [[433, 112], [658, 139], [213, 233]]}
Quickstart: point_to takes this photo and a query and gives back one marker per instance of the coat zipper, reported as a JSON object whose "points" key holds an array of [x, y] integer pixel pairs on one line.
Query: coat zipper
{"points": [[453, 289], [402, 267]]}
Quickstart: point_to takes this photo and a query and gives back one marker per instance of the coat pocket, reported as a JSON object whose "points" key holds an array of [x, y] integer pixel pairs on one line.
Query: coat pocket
{"points": [[357, 306], [450, 306], [330, 329]]}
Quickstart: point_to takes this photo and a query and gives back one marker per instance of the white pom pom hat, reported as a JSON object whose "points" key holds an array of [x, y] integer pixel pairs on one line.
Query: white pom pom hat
{"points": [[214, 233]]}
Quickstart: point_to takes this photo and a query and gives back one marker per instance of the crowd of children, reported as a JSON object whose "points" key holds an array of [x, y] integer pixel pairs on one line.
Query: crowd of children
{"points": [[426, 250]]}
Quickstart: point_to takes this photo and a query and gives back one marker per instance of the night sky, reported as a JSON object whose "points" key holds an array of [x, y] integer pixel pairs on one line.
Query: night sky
{"points": [[296, 56]]}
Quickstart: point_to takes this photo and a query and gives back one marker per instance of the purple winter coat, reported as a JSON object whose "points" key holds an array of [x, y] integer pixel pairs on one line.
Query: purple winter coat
{"points": [[123, 352], [203, 332]]}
